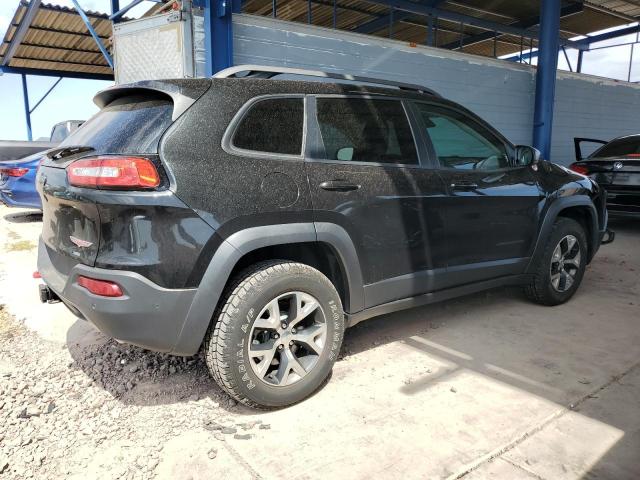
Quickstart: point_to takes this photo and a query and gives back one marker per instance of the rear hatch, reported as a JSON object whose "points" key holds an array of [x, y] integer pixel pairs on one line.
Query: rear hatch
{"points": [[617, 163], [613, 172], [131, 122]]}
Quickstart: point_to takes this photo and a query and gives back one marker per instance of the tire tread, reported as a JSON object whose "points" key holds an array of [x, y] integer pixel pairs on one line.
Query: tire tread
{"points": [[215, 339]]}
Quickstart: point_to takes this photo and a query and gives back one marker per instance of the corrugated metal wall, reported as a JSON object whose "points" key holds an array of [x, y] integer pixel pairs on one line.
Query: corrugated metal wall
{"points": [[500, 92]]}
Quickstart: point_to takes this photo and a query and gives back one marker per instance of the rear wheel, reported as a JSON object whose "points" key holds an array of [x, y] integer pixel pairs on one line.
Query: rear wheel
{"points": [[277, 335], [561, 267]]}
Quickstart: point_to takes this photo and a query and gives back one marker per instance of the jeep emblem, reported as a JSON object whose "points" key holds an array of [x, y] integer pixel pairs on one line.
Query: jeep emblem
{"points": [[79, 242]]}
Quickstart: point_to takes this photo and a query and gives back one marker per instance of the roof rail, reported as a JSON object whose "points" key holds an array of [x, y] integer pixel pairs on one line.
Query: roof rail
{"points": [[262, 71]]}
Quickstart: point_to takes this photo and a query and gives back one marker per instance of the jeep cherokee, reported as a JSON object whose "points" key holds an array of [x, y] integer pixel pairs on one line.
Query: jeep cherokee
{"points": [[257, 218]]}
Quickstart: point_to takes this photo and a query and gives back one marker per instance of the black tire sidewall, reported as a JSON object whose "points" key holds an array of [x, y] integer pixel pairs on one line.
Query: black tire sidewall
{"points": [[302, 279]]}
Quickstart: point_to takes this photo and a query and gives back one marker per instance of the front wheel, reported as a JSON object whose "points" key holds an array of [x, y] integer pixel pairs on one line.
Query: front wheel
{"points": [[277, 335], [561, 267]]}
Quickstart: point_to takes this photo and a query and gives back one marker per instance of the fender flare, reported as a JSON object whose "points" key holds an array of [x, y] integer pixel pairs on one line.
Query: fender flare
{"points": [[237, 245], [552, 214]]}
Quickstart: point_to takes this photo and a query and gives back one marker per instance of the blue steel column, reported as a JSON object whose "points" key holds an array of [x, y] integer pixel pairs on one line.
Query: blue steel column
{"points": [[115, 6], [27, 113], [218, 34], [546, 75]]}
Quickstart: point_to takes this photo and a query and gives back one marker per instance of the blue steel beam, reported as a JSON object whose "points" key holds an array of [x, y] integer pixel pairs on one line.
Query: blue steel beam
{"points": [[566, 57], [585, 42], [383, 21], [25, 98], [56, 73], [566, 11], [590, 40], [117, 15], [27, 18], [425, 10], [115, 6], [218, 35], [45, 95], [93, 33], [546, 75]]}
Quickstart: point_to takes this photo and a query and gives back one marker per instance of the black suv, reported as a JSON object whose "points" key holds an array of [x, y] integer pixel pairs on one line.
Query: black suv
{"points": [[257, 218]]}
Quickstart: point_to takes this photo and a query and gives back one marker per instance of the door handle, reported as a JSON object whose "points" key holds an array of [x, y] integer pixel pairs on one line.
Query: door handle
{"points": [[339, 186], [464, 186]]}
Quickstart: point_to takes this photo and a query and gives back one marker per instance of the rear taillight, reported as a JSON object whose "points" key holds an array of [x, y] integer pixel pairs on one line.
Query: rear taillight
{"points": [[14, 172], [581, 169], [113, 173], [103, 288]]}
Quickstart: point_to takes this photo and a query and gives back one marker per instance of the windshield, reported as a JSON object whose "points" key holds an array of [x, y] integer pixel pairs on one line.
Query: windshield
{"points": [[131, 124], [621, 147]]}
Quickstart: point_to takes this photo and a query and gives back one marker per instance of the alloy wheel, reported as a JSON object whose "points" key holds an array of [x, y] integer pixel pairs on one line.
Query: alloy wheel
{"points": [[565, 263], [287, 339]]}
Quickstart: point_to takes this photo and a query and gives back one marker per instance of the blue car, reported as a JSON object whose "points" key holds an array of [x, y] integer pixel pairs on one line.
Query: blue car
{"points": [[18, 182]]}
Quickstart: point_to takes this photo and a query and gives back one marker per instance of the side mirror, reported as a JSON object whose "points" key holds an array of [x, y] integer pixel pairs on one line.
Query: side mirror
{"points": [[526, 155]]}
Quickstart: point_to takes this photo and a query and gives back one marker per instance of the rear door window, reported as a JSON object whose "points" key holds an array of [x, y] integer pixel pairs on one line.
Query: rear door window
{"points": [[365, 130], [131, 124], [272, 125]]}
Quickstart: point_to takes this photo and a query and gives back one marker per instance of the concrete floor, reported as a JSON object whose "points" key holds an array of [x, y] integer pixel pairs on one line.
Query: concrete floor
{"points": [[486, 386]]}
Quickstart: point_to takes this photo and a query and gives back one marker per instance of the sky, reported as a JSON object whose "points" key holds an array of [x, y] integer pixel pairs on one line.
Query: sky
{"points": [[72, 98]]}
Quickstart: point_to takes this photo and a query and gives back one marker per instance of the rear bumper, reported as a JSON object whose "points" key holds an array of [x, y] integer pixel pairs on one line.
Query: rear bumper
{"points": [[146, 315], [623, 202]]}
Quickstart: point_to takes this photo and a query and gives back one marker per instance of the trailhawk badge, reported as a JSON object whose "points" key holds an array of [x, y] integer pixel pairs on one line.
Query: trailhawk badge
{"points": [[79, 242]]}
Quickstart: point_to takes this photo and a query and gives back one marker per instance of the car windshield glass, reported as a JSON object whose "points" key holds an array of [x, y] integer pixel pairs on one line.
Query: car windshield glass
{"points": [[132, 124], [60, 132], [621, 147]]}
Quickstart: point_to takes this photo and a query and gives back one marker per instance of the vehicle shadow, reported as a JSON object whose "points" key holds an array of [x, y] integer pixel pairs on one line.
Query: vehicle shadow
{"points": [[566, 355], [24, 217], [140, 377]]}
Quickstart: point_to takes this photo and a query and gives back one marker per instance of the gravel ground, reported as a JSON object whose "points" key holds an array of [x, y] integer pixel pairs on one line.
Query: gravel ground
{"points": [[102, 411]]}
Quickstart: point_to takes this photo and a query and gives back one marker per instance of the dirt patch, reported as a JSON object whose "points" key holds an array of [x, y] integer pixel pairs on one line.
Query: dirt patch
{"points": [[19, 246], [8, 327]]}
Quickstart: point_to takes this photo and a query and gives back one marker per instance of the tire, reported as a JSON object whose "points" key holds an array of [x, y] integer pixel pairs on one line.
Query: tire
{"points": [[551, 284], [253, 357]]}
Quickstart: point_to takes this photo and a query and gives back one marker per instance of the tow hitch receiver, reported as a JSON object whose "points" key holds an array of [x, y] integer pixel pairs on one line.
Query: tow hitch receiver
{"points": [[47, 295], [609, 236]]}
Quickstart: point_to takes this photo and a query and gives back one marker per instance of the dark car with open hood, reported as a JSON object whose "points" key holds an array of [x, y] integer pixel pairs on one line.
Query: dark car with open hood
{"points": [[256, 218]]}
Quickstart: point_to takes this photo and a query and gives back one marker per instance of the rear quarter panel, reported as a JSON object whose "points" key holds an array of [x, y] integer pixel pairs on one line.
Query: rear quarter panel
{"points": [[21, 191], [232, 191]]}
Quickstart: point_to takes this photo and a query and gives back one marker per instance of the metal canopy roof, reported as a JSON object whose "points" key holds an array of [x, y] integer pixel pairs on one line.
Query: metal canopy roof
{"points": [[54, 40], [374, 17]]}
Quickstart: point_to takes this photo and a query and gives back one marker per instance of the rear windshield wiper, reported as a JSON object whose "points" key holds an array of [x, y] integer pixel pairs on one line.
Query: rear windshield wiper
{"points": [[58, 153]]}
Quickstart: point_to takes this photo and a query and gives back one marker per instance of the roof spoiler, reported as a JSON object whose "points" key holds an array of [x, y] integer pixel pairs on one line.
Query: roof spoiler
{"points": [[183, 93]]}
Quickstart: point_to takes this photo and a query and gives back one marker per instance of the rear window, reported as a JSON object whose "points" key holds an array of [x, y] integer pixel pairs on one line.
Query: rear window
{"points": [[365, 130], [622, 147], [132, 124], [272, 125]]}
